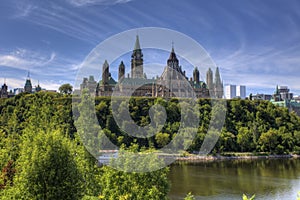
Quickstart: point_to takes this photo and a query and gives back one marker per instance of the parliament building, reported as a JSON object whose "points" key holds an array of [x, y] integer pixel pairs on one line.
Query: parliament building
{"points": [[173, 82]]}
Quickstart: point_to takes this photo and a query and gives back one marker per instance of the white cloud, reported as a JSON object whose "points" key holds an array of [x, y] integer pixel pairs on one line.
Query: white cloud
{"points": [[98, 2], [25, 59], [262, 67], [14, 83], [47, 68]]}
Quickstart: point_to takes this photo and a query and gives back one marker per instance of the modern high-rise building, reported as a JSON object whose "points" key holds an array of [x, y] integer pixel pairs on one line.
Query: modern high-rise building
{"points": [[230, 91], [235, 91], [241, 91]]}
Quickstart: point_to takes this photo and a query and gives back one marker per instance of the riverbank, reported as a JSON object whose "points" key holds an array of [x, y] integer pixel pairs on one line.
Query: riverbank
{"points": [[199, 158]]}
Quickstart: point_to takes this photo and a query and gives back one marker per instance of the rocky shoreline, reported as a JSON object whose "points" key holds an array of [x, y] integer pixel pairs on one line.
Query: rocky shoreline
{"points": [[198, 158]]}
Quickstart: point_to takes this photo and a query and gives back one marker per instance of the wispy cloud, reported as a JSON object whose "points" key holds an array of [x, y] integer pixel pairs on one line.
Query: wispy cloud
{"points": [[43, 66], [98, 2], [262, 67], [79, 26], [25, 59], [24, 10]]}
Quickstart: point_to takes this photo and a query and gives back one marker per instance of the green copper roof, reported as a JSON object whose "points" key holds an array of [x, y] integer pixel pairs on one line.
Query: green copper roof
{"points": [[111, 81], [201, 84], [28, 83]]}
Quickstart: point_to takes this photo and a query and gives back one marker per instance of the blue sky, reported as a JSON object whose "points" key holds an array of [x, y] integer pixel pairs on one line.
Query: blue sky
{"points": [[254, 42]]}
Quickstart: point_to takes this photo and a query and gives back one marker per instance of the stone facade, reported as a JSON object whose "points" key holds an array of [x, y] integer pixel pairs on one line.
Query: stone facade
{"points": [[172, 83], [4, 91], [28, 85]]}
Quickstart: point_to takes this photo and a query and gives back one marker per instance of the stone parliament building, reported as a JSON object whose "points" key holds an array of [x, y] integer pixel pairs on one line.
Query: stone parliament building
{"points": [[173, 82]]}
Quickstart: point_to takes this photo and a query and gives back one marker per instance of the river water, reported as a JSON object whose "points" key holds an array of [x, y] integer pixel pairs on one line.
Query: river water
{"points": [[270, 179]]}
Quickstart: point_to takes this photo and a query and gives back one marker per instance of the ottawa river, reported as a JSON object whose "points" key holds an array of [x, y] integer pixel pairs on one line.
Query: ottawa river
{"points": [[269, 179]]}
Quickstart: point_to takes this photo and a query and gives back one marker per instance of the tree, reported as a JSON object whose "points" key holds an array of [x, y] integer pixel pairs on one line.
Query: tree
{"points": [[66, 88], [162, 139], [89, 169], [228, 141], [245, 139], [47, 169], [139, 186], [269, 140], [87, 124], [118, 184]]}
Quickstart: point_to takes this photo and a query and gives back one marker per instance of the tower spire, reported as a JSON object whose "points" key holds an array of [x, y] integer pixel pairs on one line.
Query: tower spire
{"points": [[173, 61], [196, 75], [137, 43], [28, 74], [137, 70], [28, 85], [173, 47], [218, 84], [277, 90], [105, 73], [210, 82], [121, 71]]}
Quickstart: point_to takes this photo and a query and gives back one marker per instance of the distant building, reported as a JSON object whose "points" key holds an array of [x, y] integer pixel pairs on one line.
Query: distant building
{"points": [[173, 82], [230, 91], [28, 85], [18, 91], [90, 84], [282, 93], [283, 98], [4, 91], [266, 97], [241, 91], [38, 88], [235, 91], [297, 99]]}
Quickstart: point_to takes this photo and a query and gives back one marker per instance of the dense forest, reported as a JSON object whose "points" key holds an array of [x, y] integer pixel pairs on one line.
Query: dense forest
{"points": [[42, 156]]}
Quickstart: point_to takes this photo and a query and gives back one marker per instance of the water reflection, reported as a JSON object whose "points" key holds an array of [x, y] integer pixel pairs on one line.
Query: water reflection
{"points": [[268, 179]]}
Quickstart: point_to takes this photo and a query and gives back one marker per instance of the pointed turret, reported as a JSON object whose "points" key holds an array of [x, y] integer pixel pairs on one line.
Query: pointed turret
{"points": [[121, 71], [196, 75], [209, 81], [218, 85], [277, 90], [3, 90], [38, 87], [28, 85], [105, 73], [173, 61], [217, 77]]}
